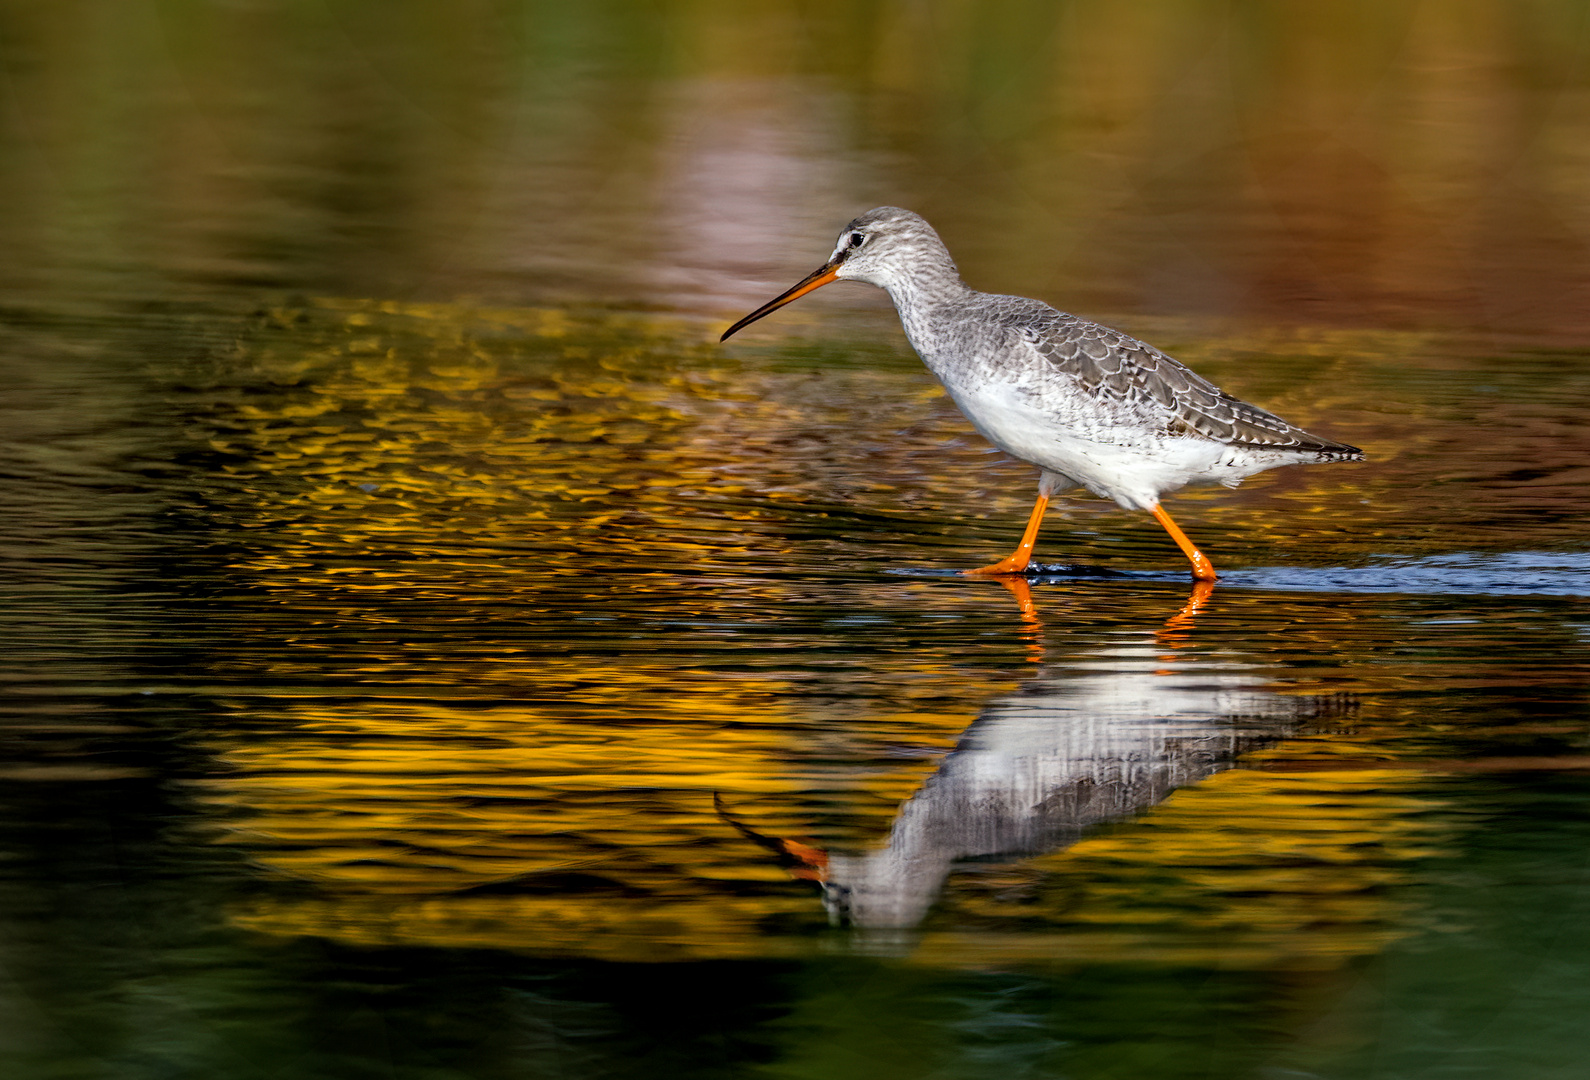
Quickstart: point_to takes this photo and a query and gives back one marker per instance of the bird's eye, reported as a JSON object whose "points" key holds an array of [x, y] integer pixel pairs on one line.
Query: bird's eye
{"points": [[856, 239]]}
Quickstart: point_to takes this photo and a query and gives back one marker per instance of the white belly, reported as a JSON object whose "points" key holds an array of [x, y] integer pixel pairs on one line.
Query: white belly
{"points": [[1114, 456]]}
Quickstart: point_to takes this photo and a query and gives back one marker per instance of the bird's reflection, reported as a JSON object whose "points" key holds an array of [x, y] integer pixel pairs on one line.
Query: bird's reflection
{"points": [[1096, 738], [1171, 635]]}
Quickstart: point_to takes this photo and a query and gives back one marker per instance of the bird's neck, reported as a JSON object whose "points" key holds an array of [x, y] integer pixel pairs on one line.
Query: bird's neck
{"points": [[925, 292]]}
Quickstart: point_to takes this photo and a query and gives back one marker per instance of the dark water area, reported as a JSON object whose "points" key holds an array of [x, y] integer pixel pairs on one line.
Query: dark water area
{"points": [[429, 654]]}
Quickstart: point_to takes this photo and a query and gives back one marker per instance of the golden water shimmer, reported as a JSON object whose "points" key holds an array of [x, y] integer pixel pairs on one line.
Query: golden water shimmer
{"points": [[530, 587], [588, 439], [585, 825]]}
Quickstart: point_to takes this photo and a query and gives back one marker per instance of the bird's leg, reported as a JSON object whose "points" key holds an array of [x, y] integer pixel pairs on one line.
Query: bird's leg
{"points": [[1202, 568], [1016, 562]]}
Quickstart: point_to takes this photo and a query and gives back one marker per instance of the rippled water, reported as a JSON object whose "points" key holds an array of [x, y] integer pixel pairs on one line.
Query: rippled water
{"points": [[387, 662], [498, 677]]}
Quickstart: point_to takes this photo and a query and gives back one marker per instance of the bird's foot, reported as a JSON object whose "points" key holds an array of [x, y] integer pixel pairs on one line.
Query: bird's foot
{"points": [[1011, 567]]}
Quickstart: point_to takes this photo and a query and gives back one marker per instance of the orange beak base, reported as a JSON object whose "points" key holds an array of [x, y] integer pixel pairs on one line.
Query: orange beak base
{"points": [[816, 280]]}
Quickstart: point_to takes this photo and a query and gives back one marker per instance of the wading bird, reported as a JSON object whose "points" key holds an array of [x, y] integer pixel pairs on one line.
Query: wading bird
{"points": [[1090, 406]]}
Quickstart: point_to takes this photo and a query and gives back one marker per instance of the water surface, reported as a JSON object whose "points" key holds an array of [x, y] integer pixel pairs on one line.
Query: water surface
{"points": [[429, 654]]}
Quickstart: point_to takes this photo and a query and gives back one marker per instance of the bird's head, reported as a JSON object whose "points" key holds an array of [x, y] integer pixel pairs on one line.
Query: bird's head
{"points": [[884, 247]]}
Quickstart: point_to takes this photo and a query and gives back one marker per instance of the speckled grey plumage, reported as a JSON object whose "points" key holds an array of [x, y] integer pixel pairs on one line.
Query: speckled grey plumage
{"points": [[1090, 406], [1094, 383], [1112, 367]]}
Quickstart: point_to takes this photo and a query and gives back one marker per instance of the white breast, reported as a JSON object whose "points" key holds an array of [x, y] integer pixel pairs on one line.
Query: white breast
{"points": [[1105, 451]]}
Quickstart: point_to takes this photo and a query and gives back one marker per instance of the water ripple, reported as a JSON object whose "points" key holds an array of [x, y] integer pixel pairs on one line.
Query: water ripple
{"points": [[1508, 573]]}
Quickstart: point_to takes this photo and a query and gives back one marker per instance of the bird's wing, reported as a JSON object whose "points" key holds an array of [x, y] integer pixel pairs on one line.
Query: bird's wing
{"points": [[1113, 366]]}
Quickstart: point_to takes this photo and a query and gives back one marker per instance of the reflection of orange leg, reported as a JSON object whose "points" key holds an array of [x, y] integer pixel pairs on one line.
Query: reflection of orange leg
{"points": [[1183, 619], [1202, 568], [1173, 635], [1018, 588], [1016, 562]]}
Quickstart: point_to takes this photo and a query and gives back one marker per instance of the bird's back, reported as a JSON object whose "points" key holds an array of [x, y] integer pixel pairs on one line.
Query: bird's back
{"points": [[1079, 367]]}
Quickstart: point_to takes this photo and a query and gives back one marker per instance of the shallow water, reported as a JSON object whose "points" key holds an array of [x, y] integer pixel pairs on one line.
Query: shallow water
{"points": [[423, 663], [383, 664]]}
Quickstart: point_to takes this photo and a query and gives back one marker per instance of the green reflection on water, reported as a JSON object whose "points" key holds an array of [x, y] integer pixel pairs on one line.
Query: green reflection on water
{"points": [[1398, 163]]}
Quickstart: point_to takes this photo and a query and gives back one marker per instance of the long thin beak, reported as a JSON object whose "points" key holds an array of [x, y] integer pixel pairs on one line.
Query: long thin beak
{"points": [[815, 280]]}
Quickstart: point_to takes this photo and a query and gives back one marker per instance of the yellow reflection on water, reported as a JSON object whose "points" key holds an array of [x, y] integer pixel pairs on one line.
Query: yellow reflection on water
{"points": [[409, 442], [513, 828], [438, 433], [1243, 869], [563, 830], [533, 585]]}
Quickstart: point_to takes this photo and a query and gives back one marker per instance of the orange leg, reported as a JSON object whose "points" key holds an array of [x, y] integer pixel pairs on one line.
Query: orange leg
{"points": [[1202, 568], [1016, 562]]}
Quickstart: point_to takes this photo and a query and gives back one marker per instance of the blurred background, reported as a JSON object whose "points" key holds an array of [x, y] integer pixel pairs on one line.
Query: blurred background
{"points": [[1395, 163]]}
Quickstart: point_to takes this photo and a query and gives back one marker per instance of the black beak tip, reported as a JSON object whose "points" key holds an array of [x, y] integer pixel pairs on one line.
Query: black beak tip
{"points": [[821, 276], [741, 325]]}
